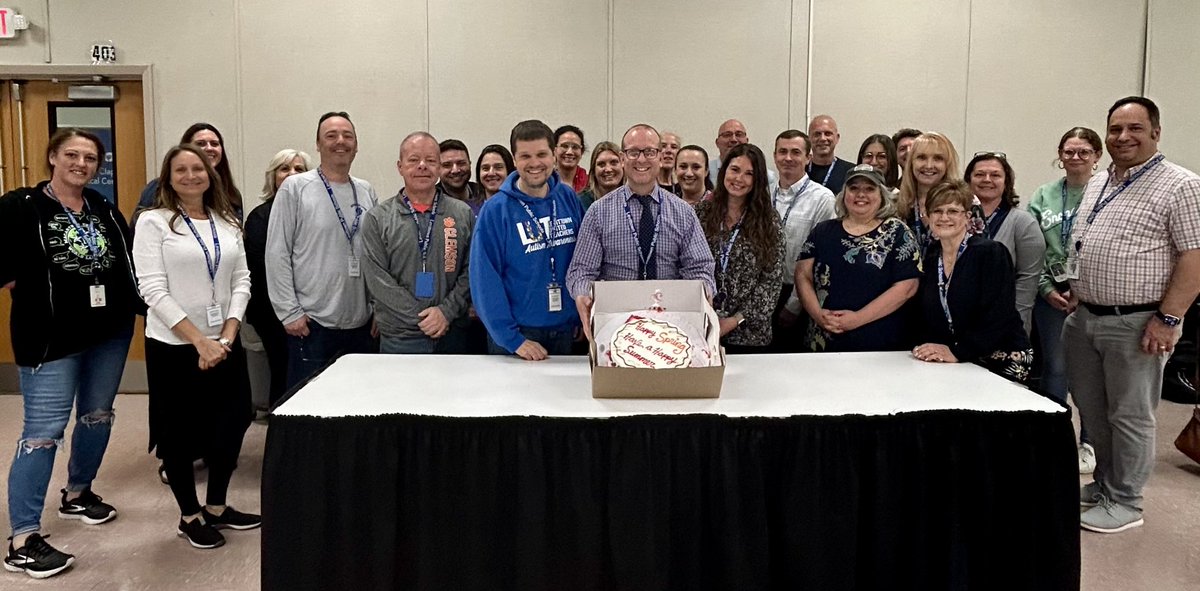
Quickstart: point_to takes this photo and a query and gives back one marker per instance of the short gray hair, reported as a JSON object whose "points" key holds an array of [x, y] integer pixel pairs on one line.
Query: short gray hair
{"points": [[887, 204]]}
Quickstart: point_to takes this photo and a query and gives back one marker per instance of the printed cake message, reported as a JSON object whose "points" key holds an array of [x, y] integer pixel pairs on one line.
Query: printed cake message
{"points": [[647, 343]]}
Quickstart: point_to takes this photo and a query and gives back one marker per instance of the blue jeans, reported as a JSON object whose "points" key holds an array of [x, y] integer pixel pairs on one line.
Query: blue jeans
{"points": [[557, 341], [89, 379], [310, 354], [454, 342], [1054, 362]]}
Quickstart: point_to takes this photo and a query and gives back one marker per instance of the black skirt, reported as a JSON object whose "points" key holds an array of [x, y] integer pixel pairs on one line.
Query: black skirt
{"points": [[196, 413]]}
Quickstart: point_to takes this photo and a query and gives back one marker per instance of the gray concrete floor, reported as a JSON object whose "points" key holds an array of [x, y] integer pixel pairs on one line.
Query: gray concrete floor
{"points": [[140, 550]]}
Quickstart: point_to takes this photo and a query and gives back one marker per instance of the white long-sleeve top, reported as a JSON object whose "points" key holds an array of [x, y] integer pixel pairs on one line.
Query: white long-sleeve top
{"points": [[172, 273]]}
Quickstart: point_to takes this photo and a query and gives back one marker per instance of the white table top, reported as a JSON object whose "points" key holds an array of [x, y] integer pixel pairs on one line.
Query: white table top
{"points": [[825, 384]]}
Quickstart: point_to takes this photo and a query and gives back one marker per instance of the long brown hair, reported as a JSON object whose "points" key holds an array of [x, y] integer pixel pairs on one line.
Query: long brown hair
{"points": [[215, 197], [761, 226], [223, 173]]}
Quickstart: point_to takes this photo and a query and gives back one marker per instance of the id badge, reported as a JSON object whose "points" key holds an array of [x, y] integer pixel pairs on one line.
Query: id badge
{"points": [[96, 296], [555, 296], [353, 267], [1070, 270], [424, 284], [215, 317]]}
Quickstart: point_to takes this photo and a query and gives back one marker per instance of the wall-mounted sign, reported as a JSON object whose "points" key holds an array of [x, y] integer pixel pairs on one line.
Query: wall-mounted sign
{"points": [[104, 53], [8, 25]]}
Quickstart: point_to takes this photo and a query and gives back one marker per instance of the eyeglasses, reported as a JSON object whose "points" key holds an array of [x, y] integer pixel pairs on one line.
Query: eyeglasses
{"points": [[570, 147], [947, 212], [1000, 155], [741, 135], [633, 153], [1082, 154]]}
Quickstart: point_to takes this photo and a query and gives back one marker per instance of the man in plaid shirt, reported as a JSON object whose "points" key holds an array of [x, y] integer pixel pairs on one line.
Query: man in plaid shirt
{"points": [[1134, 270]]}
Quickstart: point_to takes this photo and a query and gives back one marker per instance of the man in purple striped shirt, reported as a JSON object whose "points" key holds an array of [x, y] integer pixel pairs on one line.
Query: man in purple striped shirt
{"points": [[638, 231]]}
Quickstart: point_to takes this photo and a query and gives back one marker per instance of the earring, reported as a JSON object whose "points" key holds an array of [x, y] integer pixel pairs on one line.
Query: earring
{"points": [[1095, 167], [1060, 165]]}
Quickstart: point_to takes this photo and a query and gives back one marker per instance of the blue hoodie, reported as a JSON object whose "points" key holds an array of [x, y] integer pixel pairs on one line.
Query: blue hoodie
{"points": [[510, 266]]}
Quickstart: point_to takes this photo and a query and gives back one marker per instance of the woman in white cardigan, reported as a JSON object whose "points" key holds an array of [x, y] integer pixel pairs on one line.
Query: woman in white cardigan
{"points": [[192, 273]]}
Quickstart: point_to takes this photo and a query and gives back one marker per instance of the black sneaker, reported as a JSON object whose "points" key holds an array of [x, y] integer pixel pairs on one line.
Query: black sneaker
{"points": [[37, 558], [200, 534], [232, 519], [88, 508]]}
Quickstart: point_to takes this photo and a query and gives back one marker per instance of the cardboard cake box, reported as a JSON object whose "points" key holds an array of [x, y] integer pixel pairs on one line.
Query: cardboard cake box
{"points": [[624, 297]]}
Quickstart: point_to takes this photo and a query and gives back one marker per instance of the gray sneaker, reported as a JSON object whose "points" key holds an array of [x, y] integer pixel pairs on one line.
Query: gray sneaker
{"points": [[1110, 517], [1090, 495]]}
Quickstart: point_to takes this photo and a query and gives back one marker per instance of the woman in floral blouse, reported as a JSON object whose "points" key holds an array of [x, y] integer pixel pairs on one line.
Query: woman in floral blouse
{"points": [[747, 243], [856, 271]]}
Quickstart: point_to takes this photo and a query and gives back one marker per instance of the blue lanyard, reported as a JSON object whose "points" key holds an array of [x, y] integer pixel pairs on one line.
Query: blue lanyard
{"points": [[788, 213], [828, 173], [90, 237], [544, 236], [1102, 203], [727, 247], [358, 210], [992, 223], [423, 245], [653, 240], [944, 282], [1068, 221], [208, 259]]}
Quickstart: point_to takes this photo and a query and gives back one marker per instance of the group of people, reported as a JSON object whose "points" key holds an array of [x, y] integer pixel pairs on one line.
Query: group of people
{"points": [[898, 251]]}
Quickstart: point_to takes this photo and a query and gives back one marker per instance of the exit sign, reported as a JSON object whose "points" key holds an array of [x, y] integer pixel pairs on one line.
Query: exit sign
{"points": [[7, 26]]}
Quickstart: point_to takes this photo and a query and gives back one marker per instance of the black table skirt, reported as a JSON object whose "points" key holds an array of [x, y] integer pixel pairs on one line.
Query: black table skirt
{"points": [[930, 500]]}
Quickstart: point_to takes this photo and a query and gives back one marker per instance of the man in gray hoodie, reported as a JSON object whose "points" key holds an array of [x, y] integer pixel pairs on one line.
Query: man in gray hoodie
{"points": [[415, 252]]}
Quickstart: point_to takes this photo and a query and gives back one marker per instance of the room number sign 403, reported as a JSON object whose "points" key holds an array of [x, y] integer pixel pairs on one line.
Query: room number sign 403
{"points": [[104, 53]]}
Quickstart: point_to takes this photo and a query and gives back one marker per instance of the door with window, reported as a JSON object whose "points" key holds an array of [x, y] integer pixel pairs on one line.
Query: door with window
{"points": [[32, 110]]}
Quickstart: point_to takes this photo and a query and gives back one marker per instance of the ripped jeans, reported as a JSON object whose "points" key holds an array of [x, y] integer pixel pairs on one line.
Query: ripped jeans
{"points": [[89, 379]]}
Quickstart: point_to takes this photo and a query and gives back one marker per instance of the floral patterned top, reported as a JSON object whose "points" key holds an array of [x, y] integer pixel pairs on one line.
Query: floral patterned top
{"points": [[744, 286], [850, 271]]}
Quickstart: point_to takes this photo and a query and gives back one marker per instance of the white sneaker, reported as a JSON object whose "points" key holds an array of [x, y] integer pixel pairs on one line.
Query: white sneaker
{"points": [[1087, 458]]}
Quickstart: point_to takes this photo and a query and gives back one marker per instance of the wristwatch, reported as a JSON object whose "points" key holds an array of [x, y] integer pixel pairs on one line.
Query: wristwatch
{"points": [[224, 341], [1167, 319]]}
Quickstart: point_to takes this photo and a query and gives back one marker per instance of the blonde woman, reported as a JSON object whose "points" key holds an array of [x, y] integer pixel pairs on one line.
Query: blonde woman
{"points": [[260, 314], [931, 160]]}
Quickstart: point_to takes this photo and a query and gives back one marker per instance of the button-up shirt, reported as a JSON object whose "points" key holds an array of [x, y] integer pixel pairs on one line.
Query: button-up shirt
{"points": [[809, 204], [606, 249], [1128, 252]]}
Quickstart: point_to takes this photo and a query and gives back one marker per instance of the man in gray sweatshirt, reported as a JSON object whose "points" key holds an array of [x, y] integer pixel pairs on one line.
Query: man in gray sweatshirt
{"points": [[314, 255], [415, 253]]}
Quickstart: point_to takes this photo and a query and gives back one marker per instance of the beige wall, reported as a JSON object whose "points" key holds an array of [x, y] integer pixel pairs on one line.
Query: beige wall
{"points": [[1008, 75]]}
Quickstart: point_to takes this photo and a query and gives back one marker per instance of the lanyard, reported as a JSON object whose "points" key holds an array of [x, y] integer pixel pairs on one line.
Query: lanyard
{"points": [[727, 247], [828, 173], [788, 213], [944, 282], [358, 211], [423, 245], [1102, 203], [993, 222], [208, 259], [1068, 221], [90, 237], [544, 236], [653, 240]]}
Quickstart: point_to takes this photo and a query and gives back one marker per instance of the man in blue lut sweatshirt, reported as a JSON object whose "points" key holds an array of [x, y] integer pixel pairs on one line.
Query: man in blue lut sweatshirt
{"points": [[523, 243]]}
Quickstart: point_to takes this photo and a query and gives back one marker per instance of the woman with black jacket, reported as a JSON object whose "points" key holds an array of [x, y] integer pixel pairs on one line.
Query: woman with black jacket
{"points": [[66, 260], [968, 293]]}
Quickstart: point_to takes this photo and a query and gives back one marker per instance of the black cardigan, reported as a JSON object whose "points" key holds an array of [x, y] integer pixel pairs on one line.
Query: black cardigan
{"points": [[982, 300]]}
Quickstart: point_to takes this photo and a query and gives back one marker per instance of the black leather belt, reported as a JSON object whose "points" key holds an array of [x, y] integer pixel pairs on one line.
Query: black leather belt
{"points": [[1120, 310]]}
